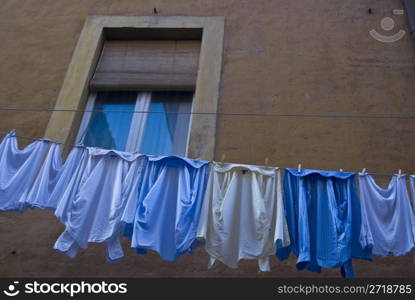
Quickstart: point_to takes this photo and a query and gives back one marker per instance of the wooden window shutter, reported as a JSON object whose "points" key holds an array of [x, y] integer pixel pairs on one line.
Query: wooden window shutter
{"points": [[147, 65]]}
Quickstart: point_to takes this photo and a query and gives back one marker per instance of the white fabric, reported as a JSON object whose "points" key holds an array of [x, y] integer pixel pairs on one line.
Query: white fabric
{"points": [[388, 225], [243, 214], [138, 122], [94, 201], [53, 177], [18, 170]]}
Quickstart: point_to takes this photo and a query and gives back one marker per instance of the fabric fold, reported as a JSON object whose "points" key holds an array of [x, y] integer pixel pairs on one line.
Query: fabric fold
{"points": [[18, 170], [94, 201], [243, 214], [388, 218], [324, 220], [168, 206], [53, 178]]}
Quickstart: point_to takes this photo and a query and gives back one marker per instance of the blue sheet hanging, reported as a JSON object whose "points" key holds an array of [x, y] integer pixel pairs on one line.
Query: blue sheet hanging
{"points": [[169, 205], [324, 220], [18, 170], [388, 226], [53, 177]]}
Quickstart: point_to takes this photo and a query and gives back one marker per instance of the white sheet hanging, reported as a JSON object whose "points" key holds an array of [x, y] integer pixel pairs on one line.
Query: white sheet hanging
{"points": [[94, 201], [243, 214], [18, 170], [388, 224], [53, 177]]}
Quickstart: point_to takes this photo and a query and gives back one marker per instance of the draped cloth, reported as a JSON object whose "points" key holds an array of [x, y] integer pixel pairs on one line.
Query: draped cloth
{"points": [[388, 219], [324, 220], [168, 206], [53, 178], [18, 170], [243, 214], [93, 203]]}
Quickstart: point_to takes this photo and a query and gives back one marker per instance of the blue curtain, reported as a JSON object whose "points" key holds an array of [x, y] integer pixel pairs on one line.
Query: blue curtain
{"points": [[108, 129], [158, 137], [167, 130]]}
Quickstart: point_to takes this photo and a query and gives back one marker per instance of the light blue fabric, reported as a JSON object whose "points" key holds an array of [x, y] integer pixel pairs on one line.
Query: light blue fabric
{"points": [[53, 178], [388, 226], [324, 220], [94, 201], [18, 170], [169, 204]]}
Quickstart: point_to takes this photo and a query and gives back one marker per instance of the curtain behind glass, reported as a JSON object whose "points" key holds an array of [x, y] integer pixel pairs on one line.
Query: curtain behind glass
{"points": [[108, 129], [167, 127]]}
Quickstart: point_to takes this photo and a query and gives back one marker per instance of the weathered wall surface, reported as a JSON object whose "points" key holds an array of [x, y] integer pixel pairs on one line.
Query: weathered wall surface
{"points": [[280, 56]]}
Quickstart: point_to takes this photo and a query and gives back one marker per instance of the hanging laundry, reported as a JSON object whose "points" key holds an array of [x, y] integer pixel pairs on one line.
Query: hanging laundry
{"points": [[388, 226], [243, 214], [53, 178], [18, 170], [324, 220], [412, 185], [169, 206], [94, 201]]}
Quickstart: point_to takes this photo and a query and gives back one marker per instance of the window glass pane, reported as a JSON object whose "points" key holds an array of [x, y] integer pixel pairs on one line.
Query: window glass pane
{"points": [[167, 128], [108, 129]]}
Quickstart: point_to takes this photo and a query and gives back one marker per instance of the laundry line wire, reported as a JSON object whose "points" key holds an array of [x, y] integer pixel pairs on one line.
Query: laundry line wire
{"points": [[288, 115], [77, 145]]}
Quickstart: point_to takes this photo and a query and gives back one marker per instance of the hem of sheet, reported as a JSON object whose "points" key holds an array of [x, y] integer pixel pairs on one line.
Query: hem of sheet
{"points": [[391, 253], [263, 261], [140, 249]]}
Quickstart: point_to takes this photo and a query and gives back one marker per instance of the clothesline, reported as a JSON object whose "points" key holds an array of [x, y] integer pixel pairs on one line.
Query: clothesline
{"points": [[287, 115], [171, 205], [75, 145]]}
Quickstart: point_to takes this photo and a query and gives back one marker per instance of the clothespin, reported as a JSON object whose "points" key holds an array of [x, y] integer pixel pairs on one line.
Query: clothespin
{"points": [[341, 170], [299, 167], [400, 172], [222, 159], [363, 171], [266, 162]]}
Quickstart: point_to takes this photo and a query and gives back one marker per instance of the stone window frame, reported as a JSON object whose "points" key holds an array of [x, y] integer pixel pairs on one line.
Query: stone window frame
{"points": [[74, 92]]}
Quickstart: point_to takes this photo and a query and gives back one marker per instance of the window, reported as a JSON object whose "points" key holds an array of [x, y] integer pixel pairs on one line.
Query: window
{"points": [[160, 70], [154, 78], [160, 125]]}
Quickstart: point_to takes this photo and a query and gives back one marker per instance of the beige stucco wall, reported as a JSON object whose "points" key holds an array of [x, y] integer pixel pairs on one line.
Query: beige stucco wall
{"points": [[280, 56]]}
